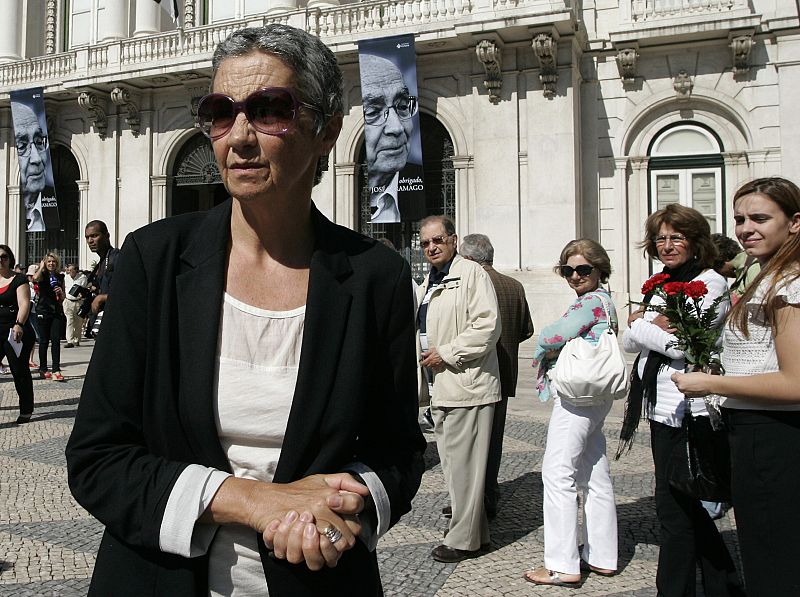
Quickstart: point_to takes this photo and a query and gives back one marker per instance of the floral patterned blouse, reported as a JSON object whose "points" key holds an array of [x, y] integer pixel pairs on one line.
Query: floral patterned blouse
{"points": [[584, 318]]}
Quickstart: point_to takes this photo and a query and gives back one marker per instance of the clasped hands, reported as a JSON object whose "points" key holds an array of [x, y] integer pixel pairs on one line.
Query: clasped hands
{"points": [[432, 359], [309, 506]]}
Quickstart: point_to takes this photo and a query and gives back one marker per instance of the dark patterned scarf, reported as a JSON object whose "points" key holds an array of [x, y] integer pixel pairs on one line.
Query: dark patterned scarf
{"points": [[643, 389]]}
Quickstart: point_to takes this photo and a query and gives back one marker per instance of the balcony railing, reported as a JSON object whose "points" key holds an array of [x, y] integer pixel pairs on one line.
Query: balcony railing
{"points": [[646, 10], [337, 24], [39, 69]]}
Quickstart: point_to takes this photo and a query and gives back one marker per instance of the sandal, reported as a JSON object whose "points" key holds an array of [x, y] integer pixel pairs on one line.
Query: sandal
{"points": [[551, 577], [586, 566], [57, 376]]}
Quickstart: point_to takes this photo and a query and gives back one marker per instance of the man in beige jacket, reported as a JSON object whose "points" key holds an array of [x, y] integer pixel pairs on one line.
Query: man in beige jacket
{"points": [[459, 328]]}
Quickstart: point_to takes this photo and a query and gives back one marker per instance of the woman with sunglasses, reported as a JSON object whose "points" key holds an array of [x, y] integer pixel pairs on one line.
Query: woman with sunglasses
{"points": [[575, 456], [50, 314], [249, 418], [15, 307], [680, 238], [761, 341]]}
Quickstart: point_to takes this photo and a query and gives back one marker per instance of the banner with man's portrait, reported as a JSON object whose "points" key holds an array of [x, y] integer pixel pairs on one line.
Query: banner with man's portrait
{"points": [[35, 168], [391, 128]]}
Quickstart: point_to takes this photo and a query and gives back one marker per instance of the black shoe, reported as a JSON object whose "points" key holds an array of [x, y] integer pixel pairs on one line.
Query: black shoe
{"points": [[491, 512], [69, 345], [450, 555], [447, 511], [22, 419]]}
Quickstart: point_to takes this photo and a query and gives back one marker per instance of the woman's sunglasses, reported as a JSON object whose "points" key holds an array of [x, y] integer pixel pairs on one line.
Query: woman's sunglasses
{"points": [[270, 110], [583, 270]]}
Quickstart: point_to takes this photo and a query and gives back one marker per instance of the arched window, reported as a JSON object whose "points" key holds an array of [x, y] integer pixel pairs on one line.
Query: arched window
{"points": [[65, 242], [440, 193], [686, 167], [196, 183]]}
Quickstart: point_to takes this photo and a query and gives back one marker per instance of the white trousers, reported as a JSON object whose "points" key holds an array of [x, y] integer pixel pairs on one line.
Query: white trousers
{"points": [[74, 323], [575, 459]]}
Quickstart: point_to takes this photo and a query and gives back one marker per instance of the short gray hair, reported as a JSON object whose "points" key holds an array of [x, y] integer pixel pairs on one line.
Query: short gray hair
{"points": [[446, 222], [478, 248], [319, 79]]}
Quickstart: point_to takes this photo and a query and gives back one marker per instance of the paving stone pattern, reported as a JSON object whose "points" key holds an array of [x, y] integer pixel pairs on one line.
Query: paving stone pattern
{"points": [[48, 542]]}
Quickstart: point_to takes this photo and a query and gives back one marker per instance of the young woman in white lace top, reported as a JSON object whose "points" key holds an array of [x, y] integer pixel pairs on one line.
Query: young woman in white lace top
{"points": [[761, 387]]}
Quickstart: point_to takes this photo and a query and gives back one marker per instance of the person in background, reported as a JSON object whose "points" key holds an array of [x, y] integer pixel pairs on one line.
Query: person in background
{"points": [[459, 327], [517, 325], [15, 303], [72, 303], [33, 319], [761, 341], [680, 238], [575, 455], [99, 241], [727, 250], [50, 314]]}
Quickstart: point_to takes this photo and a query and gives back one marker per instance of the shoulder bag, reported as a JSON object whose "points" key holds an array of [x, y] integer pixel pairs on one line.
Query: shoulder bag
{"points": [[587, 374]]}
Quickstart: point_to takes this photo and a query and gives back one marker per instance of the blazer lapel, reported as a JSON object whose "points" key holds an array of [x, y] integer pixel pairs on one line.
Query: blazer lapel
{"points": [[327, 310], [199, 294]]}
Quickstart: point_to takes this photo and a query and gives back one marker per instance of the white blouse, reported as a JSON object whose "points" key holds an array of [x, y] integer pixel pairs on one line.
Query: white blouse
{"points": [[756, 354]]}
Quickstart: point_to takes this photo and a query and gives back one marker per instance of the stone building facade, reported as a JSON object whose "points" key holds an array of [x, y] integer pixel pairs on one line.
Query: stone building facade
{"points": [[542, 120]]}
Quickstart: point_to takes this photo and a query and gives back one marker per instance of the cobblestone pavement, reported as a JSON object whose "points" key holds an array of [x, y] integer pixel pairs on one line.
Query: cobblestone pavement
{"points": [[48, 542]]}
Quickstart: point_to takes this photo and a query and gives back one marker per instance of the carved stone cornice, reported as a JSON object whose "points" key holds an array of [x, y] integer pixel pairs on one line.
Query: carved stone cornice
{"points": [[545, 48], [50, 28], [122, 97], [741, 46], [626, 61], [683, 84], [89, 101], [490, 55]]}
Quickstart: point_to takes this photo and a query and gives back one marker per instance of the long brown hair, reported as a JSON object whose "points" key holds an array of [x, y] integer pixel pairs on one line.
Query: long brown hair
{"points": [[784, 266]]}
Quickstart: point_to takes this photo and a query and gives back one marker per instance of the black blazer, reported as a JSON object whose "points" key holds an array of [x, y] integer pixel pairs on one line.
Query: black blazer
{"points": [[146, 409]]}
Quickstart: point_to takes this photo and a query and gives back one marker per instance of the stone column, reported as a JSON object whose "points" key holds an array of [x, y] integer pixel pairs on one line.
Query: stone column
{"points": [[147, 21], [637, 214], [464, 172], [158, 192], [10, 32], [322, 3], [84, 218], [346, 205], [114, 22], [274, 6]]}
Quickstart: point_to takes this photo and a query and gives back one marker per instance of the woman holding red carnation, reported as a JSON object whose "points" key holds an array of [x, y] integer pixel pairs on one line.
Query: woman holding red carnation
{"points": [[762, 375], [680, 238]]}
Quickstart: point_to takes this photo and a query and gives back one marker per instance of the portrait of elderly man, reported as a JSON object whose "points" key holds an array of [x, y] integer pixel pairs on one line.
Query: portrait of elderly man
{"points": [[34, 161], [389, 109], [458, 328]]}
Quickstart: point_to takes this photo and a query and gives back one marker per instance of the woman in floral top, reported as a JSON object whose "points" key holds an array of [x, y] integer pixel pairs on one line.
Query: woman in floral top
{"points": [[576, 447]]}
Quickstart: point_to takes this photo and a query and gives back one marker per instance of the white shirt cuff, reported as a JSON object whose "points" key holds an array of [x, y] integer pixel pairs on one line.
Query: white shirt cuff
{"points": [[380, 498], [189, 498]]}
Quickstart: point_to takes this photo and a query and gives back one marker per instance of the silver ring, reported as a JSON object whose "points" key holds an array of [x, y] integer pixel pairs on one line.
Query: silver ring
{"points": [[332, 533]]}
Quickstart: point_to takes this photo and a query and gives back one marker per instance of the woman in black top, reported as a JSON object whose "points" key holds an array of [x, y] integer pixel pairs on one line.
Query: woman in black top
{"points": [[15, 306], [50, 313]]}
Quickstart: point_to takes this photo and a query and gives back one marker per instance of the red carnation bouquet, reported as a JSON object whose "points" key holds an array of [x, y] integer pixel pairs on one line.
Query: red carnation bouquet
{"points": [[694, 330]]}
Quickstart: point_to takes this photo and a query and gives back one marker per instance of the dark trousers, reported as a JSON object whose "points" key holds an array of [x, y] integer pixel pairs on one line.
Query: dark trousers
{"points": [[51, 328], [492, 489], [19, 367], [688, 535], [765, 482]]}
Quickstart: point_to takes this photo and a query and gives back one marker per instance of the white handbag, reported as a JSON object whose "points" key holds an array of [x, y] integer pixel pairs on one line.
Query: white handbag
{"points": [[587, 374]]}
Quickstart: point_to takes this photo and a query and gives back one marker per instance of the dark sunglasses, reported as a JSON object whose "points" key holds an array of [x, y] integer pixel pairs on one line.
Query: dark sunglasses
{"points": [[270, 110], [583, 270]]}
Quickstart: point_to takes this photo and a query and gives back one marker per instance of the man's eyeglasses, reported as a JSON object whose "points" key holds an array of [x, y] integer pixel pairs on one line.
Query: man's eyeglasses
{"points": [[675, 239], [24, 145], [436, 240], [583, 270], [405, 108], [270, 110]]}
